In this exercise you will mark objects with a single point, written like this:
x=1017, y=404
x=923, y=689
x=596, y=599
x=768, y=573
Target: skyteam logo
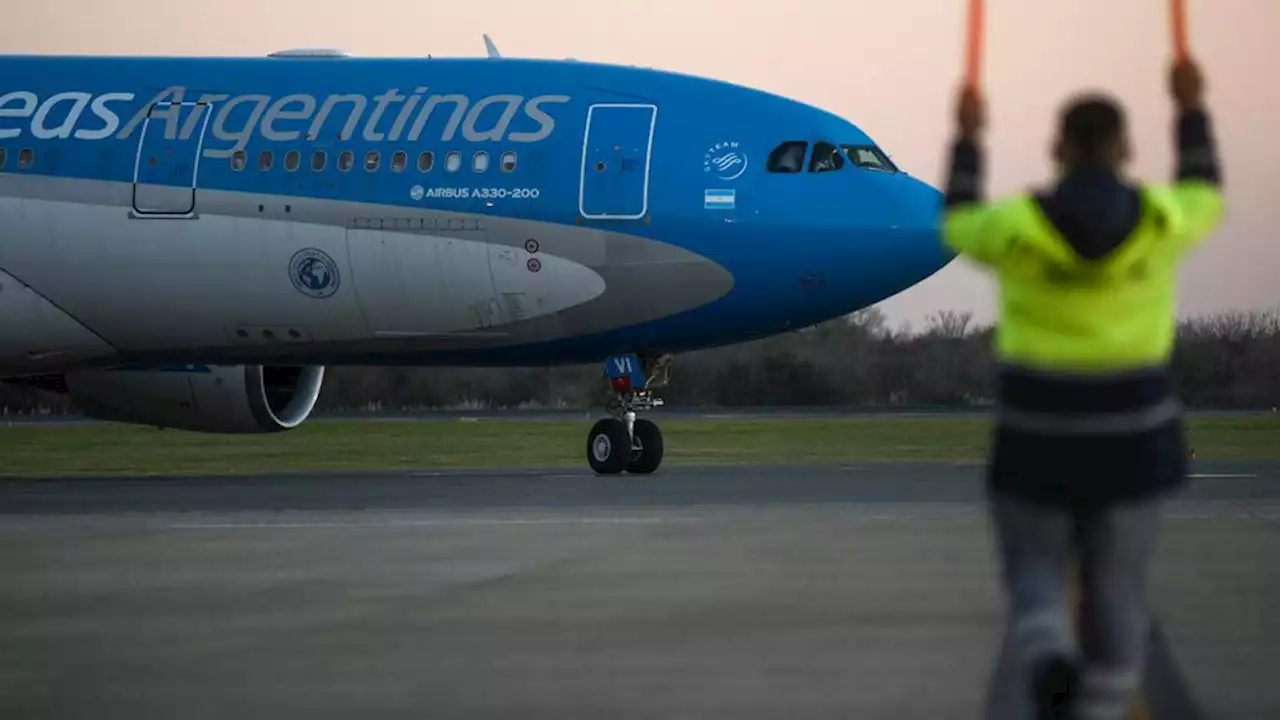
x=314, y=273
x=725, y=161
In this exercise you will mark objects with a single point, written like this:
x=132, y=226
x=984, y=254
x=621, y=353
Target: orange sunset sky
x=887, y=65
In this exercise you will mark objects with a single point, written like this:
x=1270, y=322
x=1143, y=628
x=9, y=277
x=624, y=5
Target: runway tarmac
x=866, y=590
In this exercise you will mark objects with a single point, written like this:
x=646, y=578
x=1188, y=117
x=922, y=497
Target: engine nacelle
x=213, y=399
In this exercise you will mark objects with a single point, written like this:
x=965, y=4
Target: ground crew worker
x=1089, y=437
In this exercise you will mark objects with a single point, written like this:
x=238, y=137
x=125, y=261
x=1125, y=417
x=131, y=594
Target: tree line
x=1227, y=360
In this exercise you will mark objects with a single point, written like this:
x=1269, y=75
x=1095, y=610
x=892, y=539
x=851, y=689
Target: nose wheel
x=624, y=442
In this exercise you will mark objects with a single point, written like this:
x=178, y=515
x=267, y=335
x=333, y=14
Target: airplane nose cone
x=919, y=204
x=919, y=207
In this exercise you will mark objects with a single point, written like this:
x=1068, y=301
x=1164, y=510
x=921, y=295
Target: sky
x=889, y=66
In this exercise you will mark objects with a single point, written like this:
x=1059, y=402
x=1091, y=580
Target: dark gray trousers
x=1113, y=547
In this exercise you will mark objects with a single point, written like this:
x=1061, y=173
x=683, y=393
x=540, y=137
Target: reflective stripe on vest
x=1119, y=423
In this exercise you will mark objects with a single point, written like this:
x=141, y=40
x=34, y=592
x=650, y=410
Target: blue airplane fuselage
x=632, y=186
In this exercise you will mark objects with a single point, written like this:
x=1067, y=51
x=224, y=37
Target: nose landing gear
x=624, y=442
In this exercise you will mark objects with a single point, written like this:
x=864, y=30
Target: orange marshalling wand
x=973, y=64
x=1178, y=22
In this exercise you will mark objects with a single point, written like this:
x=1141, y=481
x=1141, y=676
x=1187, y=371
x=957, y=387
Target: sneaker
x=1053, y=687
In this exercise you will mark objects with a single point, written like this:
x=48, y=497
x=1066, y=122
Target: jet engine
x=242, y=399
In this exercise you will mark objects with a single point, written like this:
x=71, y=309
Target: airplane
x=188, y=242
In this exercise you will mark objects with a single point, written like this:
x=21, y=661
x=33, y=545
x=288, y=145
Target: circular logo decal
x=725, y=160
x=416, y=192
x=313, y=273
x=534, y=264
x=531, y=246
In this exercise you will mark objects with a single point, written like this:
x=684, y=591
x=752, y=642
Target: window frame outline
x=888, y=166
x=769, y=162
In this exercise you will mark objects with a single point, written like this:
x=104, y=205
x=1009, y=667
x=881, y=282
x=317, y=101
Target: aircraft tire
x=649, y=456
x=608, y=447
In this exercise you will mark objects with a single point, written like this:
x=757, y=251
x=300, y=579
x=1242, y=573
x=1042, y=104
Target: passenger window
x=292, y=160
x=265, y=160
x=319, y=159
x=869, y=157
x=826, y=157
x=4, y=156
x=426, y=161
x=453, y=161
x=238, y=160
x=372, y=160
x=480, y=162
x=787, y=157
x=399, y=161
x=508, y=162
x=346, y=161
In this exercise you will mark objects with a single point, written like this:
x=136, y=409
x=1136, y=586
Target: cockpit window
x=826, y=157
x=869, y=157
x=787, y=157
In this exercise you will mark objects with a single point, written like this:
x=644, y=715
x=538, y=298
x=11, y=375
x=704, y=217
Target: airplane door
x=166, y=171
x=615, y=161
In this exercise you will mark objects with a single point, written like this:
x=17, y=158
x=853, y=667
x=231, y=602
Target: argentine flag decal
x=718, y=199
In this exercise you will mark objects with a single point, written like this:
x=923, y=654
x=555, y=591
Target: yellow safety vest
x=1060, y=311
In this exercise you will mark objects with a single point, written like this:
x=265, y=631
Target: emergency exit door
x=616, y=153
x=167, y=170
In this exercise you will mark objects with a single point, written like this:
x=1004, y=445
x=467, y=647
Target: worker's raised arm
x=966, y=176
x=1198, y=185
x=967, y=221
